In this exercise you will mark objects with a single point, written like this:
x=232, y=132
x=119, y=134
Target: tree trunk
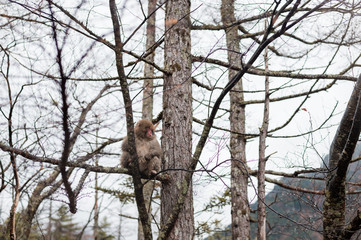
x=138, y=185
x=239, y=176
x=50, y=222
x=340, y=156
x=177, y=118
x=96, y=207
x=147, y=108
x=261, y=208
x=12, y=217
x=37, y=197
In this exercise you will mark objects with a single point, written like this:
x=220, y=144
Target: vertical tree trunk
x=36, y=198
x=340, y=156
x=15, y=178
x=147, y=108
x=239, y=176
x=138, y=185
x=96, y=209
x=177, y=117
x=12, y=217
x=261, y=208
x=50, y=220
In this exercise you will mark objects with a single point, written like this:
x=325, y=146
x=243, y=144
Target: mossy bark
x=340, y=156
x=177, y=123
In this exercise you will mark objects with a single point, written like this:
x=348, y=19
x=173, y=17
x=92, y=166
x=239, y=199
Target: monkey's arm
x=154, y=150
x=125, y=158
x=125, y=145
x=154, y=166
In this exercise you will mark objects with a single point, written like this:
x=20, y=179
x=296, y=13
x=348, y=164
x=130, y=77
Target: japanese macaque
x=148, y=149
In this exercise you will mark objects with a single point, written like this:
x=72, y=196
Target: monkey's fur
x=148, y=149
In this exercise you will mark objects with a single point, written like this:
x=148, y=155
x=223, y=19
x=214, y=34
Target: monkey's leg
x=154, y=166
x=143, y=165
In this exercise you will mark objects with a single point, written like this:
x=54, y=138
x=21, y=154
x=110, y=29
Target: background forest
x=258, y=104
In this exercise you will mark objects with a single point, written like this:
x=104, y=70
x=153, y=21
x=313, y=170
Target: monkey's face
x=145, y=129
x=150, y=133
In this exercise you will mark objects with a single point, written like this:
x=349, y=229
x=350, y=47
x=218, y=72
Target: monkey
x=148, y=149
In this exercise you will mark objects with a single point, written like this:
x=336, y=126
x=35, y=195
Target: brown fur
x=148, y=149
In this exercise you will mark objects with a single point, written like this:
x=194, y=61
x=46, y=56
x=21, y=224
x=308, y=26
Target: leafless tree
x=342, y=149
x=90, y=59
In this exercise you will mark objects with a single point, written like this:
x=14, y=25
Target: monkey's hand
x=149, y=156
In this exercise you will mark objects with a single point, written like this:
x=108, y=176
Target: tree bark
x=147, y=108
x=96, y=196
x=177, y=120
x=239, y=177
x=15, y=178
x=341, y=151
x=37, y=197
x=261, y=208
x=138, y=185
x=12, y=216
